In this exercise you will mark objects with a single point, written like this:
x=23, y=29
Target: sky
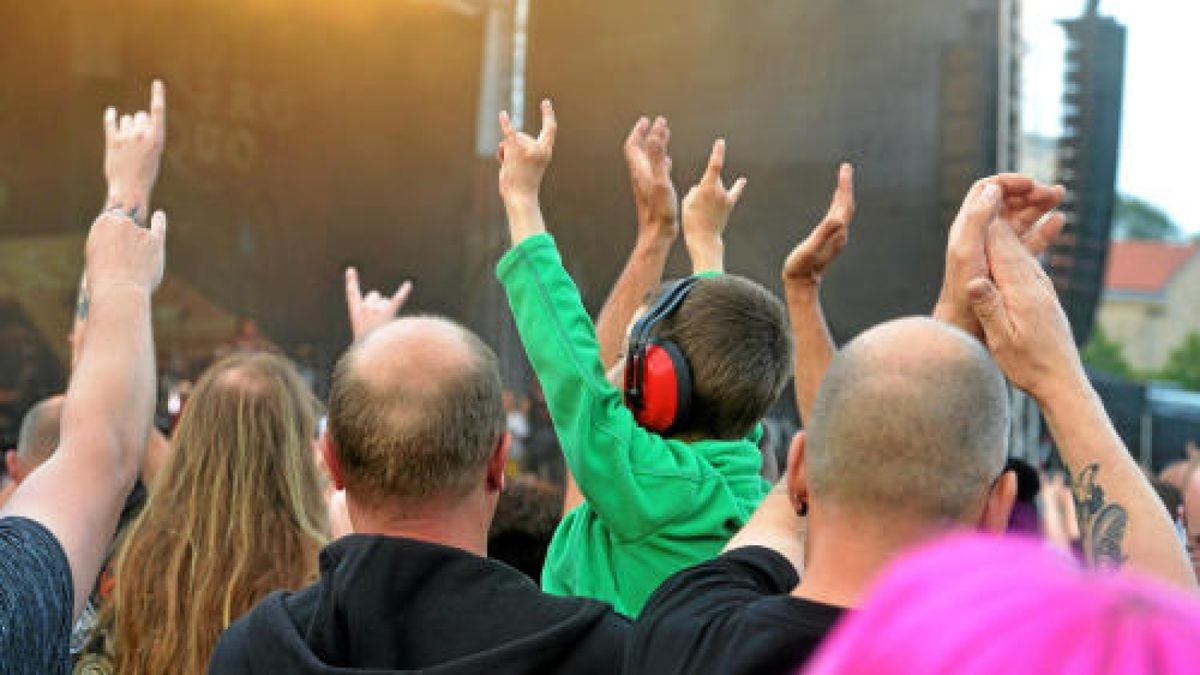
x=1160, y=135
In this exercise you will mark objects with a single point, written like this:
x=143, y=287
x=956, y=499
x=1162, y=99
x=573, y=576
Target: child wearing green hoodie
x=652, y=504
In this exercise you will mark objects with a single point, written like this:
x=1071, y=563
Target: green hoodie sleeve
x=615, y=462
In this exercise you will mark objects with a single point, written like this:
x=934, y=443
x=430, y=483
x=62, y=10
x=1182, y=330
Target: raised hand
x=1023, y=323
x=523, y=158
x=650, y=174
x=1027, y=207
x=121, y=254
x=706, y=210
x=523, y=162
x=374, y=309
x=806, y=264
x=802, y=274
x=133, y=146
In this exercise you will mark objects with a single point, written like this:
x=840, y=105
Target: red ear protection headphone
x=658, y=381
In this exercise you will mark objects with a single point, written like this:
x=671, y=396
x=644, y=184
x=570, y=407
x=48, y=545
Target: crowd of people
x=382, y=531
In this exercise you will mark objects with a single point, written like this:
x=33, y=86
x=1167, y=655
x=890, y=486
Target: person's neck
x=843, y=558
x=7, y=488
x=464, y=526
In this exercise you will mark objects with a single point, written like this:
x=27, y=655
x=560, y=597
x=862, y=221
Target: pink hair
x=976, y=605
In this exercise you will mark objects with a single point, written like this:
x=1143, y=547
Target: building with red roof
x=1151, y=298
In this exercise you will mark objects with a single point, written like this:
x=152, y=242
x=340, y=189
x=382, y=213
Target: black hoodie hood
x=392, y=605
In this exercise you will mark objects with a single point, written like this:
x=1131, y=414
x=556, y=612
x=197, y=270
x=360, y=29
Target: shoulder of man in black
x=392, y=605
x=732, y=614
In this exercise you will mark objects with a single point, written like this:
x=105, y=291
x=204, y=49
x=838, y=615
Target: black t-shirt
x=729, y=615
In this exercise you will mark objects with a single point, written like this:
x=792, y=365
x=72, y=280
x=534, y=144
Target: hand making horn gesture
x=523, y=162
x=706, y=210
x=133, y=147
x=374, y=309
x=523, y=158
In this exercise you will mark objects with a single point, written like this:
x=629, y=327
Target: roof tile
x=1145, y=266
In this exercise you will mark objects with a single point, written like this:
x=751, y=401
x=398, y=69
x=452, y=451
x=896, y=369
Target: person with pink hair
x=977, y=605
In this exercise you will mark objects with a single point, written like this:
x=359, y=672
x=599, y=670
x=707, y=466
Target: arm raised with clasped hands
x=1025, y=328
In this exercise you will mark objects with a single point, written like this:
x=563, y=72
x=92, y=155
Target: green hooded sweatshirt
x=653, y=505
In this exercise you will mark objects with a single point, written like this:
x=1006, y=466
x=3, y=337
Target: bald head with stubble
x=911, y=421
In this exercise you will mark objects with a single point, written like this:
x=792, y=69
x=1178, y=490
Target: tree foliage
x=1136, y=218
x=1183, y=365
x=1105, y=355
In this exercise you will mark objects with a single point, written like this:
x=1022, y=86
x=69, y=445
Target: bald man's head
x=39, y=432
x=911, y=421
x=415, y=412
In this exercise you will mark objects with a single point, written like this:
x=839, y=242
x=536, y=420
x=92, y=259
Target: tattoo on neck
x=1102, y=523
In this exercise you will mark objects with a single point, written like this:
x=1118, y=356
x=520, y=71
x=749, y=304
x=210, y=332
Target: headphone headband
x=667, y=303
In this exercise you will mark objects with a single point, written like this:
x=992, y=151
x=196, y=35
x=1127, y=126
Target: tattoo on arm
x=1102, y=524
x=133, y=212
x=82, y=304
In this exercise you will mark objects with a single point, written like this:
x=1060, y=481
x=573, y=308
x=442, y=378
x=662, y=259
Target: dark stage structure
x=307, y=135
x=1087, y=162
x=911, y=97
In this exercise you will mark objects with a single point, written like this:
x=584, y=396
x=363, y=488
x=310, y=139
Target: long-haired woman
x=235, y=513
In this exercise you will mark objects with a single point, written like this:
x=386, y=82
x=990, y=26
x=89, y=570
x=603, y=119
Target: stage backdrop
x=306, y=134
x=906, y=91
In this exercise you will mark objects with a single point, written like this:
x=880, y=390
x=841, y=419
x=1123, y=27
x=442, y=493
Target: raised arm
x=133, y=148
x=706, y=210
x=802, y=274
x=78, y=493
x=1120, y=517
x=658, y=226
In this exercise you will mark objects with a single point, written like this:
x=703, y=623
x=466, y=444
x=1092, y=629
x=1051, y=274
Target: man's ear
x=796, y=474
x=497, y=463
x=13, y=464
x=997, y=509
x=332, y=464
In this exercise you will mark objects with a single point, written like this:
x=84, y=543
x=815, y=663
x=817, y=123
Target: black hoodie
x=392, y=605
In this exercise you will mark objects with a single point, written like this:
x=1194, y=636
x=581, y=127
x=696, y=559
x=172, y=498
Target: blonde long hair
x=236, y=513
